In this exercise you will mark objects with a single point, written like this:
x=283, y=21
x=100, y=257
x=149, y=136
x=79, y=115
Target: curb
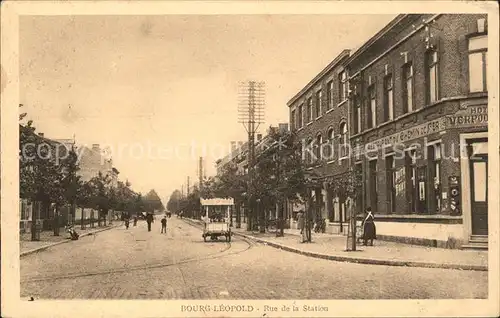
x=362, y=260
x=42, y=248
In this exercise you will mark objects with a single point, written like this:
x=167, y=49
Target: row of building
x=408, y=110
x=92, y=161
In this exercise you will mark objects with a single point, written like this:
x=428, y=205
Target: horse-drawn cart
x=216, y=217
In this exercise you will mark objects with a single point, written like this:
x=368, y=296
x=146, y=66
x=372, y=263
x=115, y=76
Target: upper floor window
x=478, y=54
x=432, y=76
x=319, y=143
x=372, y=109
x=388, y=98
x=329, y=95
x=343, y=140
x=342, y=86
x=301, y=116
x=292, y=120
x=357, y=114
x=319, y=102
x=329, y=147
x=408, y=88
x=309, y=110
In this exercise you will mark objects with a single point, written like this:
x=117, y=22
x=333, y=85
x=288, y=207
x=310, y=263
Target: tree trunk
x=82, y=221
x=238, y=215
x=55, y=224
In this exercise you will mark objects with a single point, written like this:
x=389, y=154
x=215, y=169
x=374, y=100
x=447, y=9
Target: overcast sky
x=166, y=82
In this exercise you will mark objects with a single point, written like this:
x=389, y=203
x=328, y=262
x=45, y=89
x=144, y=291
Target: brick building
x=319, y=115
x=419, y=111
x=417, y=126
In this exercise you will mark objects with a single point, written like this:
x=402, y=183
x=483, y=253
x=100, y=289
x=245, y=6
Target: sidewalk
x=47, y=238
x=333, y=247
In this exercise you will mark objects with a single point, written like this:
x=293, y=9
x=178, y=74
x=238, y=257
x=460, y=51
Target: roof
x=345, y=53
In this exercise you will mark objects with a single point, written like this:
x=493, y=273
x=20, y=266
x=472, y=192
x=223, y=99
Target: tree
x=174, y=201
x=153, y=202
x=101, y=198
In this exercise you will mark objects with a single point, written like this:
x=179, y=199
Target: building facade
x=419, y=113
x=417, y=128
x=319, y=116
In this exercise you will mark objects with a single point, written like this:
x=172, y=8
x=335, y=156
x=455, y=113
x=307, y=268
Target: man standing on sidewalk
x=164, y=224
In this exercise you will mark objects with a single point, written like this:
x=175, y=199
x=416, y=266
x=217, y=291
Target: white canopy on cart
x=217, y=201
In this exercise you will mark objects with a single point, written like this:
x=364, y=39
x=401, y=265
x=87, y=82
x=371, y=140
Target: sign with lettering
x=418, y=131
x=476, y=115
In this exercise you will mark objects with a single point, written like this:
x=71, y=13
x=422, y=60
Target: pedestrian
x=149, y=220
x=164, y=224
x=369, y=229
x=300, y=221
x=135, y=220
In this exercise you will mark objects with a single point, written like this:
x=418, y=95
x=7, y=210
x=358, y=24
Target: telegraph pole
x=251, y=101
x=200, y=175
x=187, y=186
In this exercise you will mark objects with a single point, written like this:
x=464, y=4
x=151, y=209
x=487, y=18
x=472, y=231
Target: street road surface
x=136, y=264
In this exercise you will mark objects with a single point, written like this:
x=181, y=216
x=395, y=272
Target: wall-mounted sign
x=475, y=115
x=418, y=131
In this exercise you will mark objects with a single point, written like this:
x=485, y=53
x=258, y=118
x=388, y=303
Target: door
x=421, y=207
x=479, y=193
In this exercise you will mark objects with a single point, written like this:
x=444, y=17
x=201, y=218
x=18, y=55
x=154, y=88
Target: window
x=301, y=116
x=319, y=143
x=434, y=166
x=390, y=181
x=292, y=120
x=478, y=53
x=372, y=110
x=432, y=76
x=342, y=86
x=372, y=182
x=411, y=180
x=388, y=98
x=329, y=147
x=408, y=88
x=329, y=95
x=343, y=140
x=319, y=101
x=309, y=110
x=357, y=114
x=309, y=156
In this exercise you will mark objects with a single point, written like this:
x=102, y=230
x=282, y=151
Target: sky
x=161, y=91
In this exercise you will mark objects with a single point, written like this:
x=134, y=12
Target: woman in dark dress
x=369, y=229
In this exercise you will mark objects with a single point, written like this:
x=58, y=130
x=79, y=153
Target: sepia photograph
x=246, y=161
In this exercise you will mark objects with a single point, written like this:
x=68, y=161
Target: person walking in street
x=369, y=229
x=149, y=220
x=164, y=224
x=135, y=220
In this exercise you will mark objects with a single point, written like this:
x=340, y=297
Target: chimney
x=96, y=147
x=259, y=137
x=40, y=134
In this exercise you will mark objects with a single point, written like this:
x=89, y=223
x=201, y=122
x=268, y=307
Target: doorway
x=478, y=172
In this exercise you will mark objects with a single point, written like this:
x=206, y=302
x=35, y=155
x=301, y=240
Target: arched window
x=343, y=140
x=330, y=145
x=319, y=143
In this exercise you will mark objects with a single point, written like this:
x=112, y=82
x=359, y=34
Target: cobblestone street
x=136, y=264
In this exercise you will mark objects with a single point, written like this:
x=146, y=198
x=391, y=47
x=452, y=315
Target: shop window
x=408, y=88
x=478, y=54
x=432, y=76
x=411, y=180
x=390, y=169
x=434, y=167
x=373, y=184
